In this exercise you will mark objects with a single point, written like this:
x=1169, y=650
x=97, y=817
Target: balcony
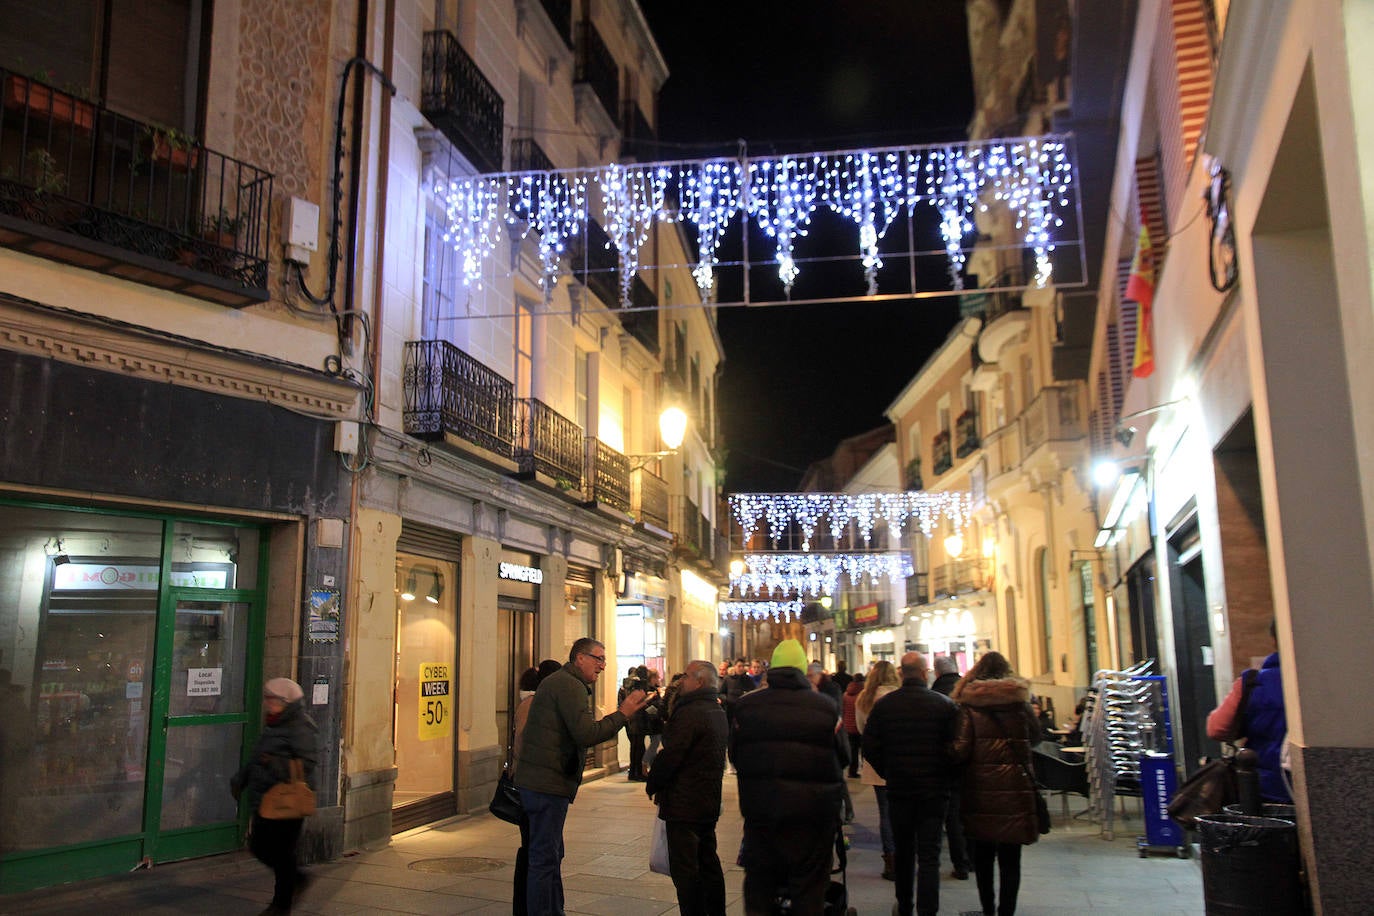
x=642, y=324
x=697, y=536
x=548, y=444
x=917, y=589
x=941, y=458
x=959, y=577
x=607, y=476
x=649, y=498
x=596, y=67
x=453, y=397
x=912, y=479
x=528, y=156
x=1048, y=434
x=966, y=431
x=596, y=264
x=461, y=102
x=84, y=185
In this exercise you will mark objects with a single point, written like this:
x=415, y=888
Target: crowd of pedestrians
x=947, y=757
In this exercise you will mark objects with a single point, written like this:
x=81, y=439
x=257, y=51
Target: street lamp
x=672, y=429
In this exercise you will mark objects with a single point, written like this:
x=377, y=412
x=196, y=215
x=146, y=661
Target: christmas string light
x=923, y=507
x=762, y=610
x=1033, y=177
x=815, y=574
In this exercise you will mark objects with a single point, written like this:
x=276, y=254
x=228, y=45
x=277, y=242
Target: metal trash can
x=1270, y=809
x=1250, y=865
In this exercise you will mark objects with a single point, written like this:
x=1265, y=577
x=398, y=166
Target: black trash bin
x=1270, y=809
x=1250, y=866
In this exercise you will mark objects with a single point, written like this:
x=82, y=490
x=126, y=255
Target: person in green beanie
x=791, y=786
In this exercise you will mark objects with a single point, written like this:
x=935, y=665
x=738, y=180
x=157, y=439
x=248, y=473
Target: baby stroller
x=837, y=893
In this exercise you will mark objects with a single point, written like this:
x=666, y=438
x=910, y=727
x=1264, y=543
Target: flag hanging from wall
x=1141, y=287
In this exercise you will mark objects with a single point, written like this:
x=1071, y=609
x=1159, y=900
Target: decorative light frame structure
x=1032, y=176
x=923, y=508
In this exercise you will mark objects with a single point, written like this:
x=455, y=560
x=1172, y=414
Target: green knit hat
x=789, y=654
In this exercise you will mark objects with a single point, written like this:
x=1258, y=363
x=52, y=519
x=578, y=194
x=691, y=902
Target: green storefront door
x=131, y=657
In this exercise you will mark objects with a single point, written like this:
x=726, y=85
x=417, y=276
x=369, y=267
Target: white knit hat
x=283, y=688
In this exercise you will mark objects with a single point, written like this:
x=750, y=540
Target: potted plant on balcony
x=913, y=475
x=172, y=148
x=33, y=95
x=222, y=229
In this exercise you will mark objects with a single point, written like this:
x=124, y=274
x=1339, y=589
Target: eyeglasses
x=599, y=659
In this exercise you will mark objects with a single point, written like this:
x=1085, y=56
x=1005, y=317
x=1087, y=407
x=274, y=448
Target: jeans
x=884, y=820
x=695, y=868
x=544, y=885
x=1008, y=859
x=918, y=821
x=273, y=842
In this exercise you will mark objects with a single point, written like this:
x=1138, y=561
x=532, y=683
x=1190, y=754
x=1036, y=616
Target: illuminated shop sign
x=518, y=573
x=125, y=576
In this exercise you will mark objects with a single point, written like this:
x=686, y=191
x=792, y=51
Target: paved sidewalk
x=465, y=865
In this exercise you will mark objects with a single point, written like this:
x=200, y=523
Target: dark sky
x=810, y=76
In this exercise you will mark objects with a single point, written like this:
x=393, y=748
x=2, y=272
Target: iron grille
x=650, y=497
x=447, y=391
x=548, y=442
x=596, y=67
x=608, y=474
x=459, y=100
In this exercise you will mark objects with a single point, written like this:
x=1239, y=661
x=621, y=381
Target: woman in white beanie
x=288, y=733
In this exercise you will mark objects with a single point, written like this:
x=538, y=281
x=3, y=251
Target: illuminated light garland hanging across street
x=1032, y=176
x=762, y=610
x=817, y=574
x=924, y=508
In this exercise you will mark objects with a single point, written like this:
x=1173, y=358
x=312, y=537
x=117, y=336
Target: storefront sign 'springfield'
x=515, y=571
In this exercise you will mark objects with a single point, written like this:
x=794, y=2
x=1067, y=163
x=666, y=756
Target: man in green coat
x=548, y=771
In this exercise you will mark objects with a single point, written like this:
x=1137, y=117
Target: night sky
x=807, y=76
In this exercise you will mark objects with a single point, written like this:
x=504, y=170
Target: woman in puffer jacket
x=993, y=738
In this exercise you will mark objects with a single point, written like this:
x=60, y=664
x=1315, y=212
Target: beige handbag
x=290, y=799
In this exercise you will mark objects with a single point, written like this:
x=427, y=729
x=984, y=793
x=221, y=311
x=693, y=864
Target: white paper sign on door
x=204, y=682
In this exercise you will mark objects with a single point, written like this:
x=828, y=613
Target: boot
x=888, y=874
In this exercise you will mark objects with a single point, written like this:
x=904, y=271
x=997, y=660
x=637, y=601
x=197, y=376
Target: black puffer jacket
x=907, y=739
x=687, y=772
x=783, y=748
x=995, y=733
x=292, y=735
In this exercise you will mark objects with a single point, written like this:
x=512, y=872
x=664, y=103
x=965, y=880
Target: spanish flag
x=1141, y=287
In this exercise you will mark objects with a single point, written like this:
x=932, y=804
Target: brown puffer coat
x=992, y=739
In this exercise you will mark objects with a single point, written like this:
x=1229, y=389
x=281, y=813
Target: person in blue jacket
x=1254, y=711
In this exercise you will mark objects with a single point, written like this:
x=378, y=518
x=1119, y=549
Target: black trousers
x=695, y=868
x=791, y=858
x=273, y=843
x=1007, y=856
x=518, y=907
x=855, y=743
x=959, y=855
x=918, y=821
x=636, y=754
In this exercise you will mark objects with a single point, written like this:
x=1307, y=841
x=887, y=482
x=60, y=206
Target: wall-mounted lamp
x=409, y=593
x=736, y=568
x=59, y=555
x=672, y=429
x=954, y=545
x=436, y=591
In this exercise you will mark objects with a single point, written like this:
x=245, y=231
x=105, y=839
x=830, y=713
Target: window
x=1044, y=660
x=524, y=348
x=526, y=117
x=141, y=57
x=437, y=309
x=585, y=392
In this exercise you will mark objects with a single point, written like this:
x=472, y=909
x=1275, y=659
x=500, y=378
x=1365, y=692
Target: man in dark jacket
x=791, y=786
x=946, y=676
x=558, y=731
x=685, y=781
x=905, y=740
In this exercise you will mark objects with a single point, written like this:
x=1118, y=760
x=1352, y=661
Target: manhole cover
x=457, y=865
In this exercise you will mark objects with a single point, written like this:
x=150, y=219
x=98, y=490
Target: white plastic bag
x=658, y=851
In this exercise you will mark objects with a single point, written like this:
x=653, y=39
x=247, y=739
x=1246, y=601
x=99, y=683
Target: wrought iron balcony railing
x=82, y=184
x=548, y=443
x=560, y=14
x=597, y=68
x=918, y=589
x=992, y=305
x=526, y=155
x=607, y=475
x=649, y=497
x=449, y=392
x=959, y=577
x=694, y=531
x=966, y=427
x=638, y=139
x=459, y=100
